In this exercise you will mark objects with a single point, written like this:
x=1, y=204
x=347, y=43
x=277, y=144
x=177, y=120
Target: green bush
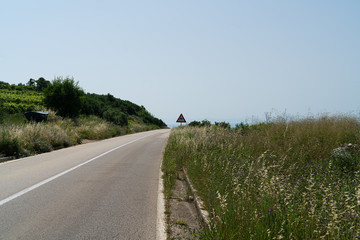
x=64, y=96
x=223, y=125
x=203, y=123
x=116, y=117
x=9, y=146
x=195, y=124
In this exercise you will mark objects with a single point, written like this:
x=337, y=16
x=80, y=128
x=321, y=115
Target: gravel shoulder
x=184, y=221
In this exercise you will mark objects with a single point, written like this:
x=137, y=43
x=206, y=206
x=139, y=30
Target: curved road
x=101, y=190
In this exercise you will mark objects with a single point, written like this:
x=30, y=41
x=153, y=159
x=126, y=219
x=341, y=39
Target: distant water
x=173, y=125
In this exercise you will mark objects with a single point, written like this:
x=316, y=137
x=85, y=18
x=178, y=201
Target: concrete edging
x=204, y=214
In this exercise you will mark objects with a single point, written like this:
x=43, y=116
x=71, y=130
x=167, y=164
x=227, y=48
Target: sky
x=218, y=60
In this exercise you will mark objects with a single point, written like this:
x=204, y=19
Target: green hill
x=21, y=98
x=101, y=117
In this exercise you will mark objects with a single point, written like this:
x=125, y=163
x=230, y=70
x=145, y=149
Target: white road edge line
x=26, y=190
x=161, y=226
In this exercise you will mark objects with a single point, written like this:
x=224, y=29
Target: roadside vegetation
x=74, y=116
x=283, y=179
x=19, y=99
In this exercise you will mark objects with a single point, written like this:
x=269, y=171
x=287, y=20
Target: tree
x=38, y=85
x=31, y=83
x=41, y=84
x=64, y=96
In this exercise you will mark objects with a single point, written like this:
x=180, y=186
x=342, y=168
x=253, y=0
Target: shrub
x=205, y=123
x=195, y=124
x=243, y=128
x=116, y=117
x=9, y=146
x=64, y=96
x=223, y=125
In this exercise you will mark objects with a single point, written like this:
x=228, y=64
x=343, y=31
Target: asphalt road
x=100, y=190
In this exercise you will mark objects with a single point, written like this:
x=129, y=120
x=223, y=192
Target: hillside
x=101, y=117
x=21, y=98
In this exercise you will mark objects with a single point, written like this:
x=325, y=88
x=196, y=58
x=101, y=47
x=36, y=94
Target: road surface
x=100, y=190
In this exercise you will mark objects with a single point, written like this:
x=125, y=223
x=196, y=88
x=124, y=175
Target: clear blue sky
x=219, y=60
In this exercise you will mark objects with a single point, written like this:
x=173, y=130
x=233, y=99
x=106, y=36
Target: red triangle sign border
x=181, y=119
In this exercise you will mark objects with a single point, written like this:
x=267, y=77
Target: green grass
x=278, y=180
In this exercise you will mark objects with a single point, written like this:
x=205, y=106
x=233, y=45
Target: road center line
x=26, y=190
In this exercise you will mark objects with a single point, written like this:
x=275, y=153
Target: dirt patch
x=184, y=220
x=85, y=141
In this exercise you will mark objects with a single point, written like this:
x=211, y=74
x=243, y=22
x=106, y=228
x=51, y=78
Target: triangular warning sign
x=181, y=119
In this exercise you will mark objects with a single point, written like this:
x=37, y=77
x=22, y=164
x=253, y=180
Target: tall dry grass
x=296, y=179
x=24, y=139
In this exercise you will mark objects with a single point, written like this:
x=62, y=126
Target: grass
x=20, y=138
x=286, y=179
x=182, y=223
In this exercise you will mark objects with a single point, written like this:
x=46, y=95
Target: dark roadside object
x=36, y=116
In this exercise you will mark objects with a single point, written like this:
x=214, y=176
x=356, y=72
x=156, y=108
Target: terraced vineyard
x=15, y=101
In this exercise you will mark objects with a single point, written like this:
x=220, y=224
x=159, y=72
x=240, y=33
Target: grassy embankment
x=278, y=180
x=19, y=138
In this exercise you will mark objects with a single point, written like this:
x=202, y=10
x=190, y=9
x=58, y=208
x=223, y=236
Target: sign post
x=181, y=119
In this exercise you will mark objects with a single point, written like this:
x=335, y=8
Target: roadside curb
x=204, y=214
